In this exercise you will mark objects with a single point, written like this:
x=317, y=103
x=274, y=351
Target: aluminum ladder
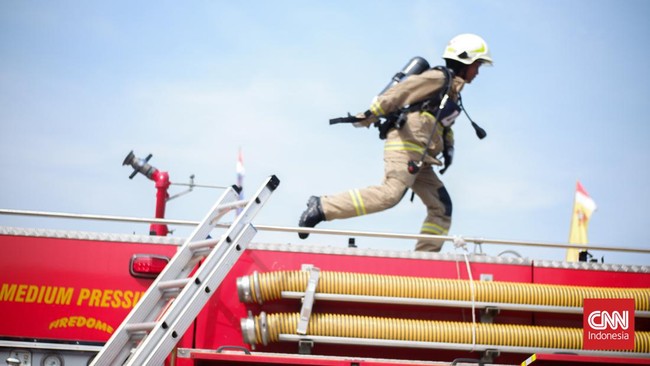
x=153, y=327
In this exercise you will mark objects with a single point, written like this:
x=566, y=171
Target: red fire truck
x=217, y=298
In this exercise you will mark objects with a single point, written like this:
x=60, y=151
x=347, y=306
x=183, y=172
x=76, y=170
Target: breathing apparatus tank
x=417, y=65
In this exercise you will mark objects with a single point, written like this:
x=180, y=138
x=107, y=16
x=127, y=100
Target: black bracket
x=488, y=314
x=305, y=346
x=489, y=355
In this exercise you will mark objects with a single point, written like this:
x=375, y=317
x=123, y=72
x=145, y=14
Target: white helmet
x=467, y=48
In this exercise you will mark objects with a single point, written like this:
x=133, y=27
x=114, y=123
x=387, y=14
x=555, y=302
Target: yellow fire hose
x=262, y=287
x=354, y=326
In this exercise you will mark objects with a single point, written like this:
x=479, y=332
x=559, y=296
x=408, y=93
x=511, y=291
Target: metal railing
x=372, y=234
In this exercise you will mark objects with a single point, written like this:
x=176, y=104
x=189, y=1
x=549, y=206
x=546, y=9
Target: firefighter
x=421, y=139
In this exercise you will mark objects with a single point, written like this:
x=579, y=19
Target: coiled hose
x=263, y=287
x=268, y=327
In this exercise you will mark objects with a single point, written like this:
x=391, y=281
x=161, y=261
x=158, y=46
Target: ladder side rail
x=212, y=218
x=182, y=306
x=117, y=348
x=185, y=254
x=162, y=342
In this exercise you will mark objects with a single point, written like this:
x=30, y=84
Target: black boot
x=312, y=215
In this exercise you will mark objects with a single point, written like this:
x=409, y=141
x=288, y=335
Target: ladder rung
x=140, y=327
x=202, y=244
x=230, y=206
x=173, y=284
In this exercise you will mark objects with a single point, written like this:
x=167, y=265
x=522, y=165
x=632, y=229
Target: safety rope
x=459, y=243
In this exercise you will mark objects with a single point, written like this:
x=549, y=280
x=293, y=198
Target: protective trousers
x=397, y=179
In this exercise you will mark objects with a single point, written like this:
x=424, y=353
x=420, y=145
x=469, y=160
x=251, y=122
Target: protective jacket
x=414, y=135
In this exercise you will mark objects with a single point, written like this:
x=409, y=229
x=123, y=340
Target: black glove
x=448, y=155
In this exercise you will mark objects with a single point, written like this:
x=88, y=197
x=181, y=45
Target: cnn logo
x=599, y=320
x=608, y=324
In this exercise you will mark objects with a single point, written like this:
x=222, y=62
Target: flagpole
x=240, y=177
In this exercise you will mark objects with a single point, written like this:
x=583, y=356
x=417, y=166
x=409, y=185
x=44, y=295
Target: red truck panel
x=77, y=288
x=69, y=289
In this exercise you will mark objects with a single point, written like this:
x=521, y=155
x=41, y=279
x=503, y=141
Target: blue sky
x=84, y=83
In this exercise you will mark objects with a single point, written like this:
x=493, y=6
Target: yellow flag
x=583, y=207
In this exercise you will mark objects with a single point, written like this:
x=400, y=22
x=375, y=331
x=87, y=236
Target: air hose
x=264, y=287
x=266, y=328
